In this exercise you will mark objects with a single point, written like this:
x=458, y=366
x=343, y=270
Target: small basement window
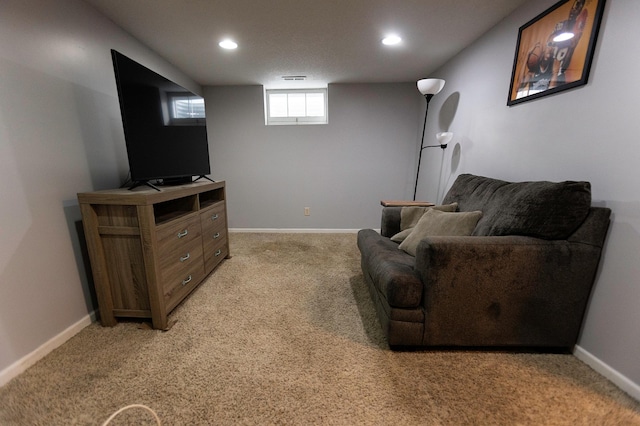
x=299, y=106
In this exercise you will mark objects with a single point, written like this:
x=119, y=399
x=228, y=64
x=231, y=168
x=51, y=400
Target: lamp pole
x=422, y=147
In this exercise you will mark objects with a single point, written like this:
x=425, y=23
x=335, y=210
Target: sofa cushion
x=437, y=223
x=549, y=210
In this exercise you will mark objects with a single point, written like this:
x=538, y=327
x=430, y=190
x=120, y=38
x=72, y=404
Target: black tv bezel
x=136, y=145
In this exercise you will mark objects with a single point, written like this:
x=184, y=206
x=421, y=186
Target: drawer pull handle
x=183, y=233
x=187, y=280
x=216, y=235
x=214, y=217
x=219, y=252
x=185, y=257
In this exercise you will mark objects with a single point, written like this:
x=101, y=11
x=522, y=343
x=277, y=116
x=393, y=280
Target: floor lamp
x=428, y=87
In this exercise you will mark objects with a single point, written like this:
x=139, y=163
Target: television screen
x=164, y=125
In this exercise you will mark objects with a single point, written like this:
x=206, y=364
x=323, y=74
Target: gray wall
x=590, y=133
x=340, y=170
x=60, y=133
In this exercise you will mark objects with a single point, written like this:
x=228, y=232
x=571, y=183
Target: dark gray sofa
x=522, y=279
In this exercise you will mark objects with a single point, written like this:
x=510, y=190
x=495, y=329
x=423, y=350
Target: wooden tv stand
x=149, y=249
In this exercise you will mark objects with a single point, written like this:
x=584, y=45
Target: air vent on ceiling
x=294, y=77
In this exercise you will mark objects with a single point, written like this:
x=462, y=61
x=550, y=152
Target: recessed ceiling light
x=391, y=40
x=228, y=44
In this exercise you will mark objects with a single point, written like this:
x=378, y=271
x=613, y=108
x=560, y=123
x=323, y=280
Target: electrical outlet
x=307, y=211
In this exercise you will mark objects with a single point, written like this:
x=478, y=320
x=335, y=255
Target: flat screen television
x=164, y=126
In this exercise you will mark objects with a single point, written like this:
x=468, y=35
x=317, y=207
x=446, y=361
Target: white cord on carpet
x=132, y=406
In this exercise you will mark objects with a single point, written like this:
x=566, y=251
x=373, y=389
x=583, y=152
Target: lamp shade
x=430, y=86
x=444, y=138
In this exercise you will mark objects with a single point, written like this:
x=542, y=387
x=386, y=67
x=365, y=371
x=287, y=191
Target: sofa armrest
x=507, y=290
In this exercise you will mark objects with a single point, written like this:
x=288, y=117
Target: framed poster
x=555, y=49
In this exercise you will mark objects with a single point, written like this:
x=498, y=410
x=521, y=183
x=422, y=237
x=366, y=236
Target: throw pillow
x=437, y=223
x=409, y=217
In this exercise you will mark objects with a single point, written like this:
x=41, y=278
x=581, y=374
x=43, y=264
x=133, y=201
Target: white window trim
x=278, y=121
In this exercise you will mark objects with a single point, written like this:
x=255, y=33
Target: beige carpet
x=284, y=332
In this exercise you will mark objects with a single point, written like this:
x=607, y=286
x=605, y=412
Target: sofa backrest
x=549, y=210
x=390, y=224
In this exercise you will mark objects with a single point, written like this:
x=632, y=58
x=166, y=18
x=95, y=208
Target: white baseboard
x=28, y=360
x=295, y=230
x=614, y=376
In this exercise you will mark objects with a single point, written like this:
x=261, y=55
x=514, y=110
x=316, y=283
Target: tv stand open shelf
x=149, y=249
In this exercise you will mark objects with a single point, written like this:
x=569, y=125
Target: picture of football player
x=567, y=35
x=547, y=62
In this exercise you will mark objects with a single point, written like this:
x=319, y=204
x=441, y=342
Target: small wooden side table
x=405, y=203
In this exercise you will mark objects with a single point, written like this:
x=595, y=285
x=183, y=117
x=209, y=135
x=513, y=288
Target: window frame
x=295, y=120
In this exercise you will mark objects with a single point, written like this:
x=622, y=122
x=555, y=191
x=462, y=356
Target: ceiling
x=329, y=41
